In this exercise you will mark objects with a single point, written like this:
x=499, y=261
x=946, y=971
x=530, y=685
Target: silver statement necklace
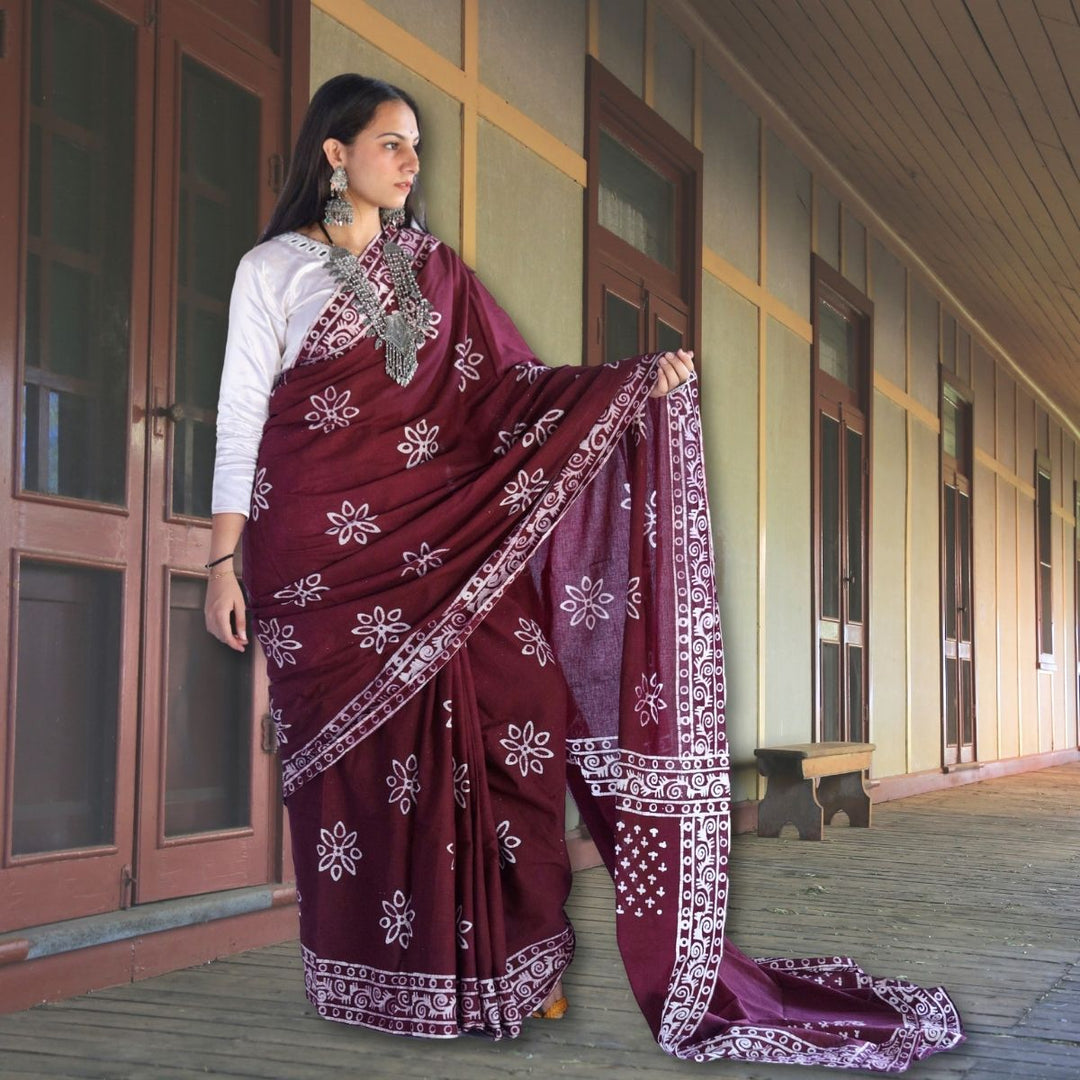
x=399, y=333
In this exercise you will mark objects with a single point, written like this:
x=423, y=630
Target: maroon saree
x=469, y=591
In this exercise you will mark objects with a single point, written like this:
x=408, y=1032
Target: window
x=1044, y=611
x=957, y=616
x=840, y=434
x=643, y=228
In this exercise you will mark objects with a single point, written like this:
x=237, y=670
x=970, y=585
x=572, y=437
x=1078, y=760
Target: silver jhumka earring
x=396, y=218
x=338, y=210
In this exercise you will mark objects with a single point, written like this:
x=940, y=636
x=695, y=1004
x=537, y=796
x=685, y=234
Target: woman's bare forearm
x=225, y=535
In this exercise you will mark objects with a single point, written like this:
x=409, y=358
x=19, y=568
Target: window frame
x=620, y=112
x=959, y=472
x=1044, y=601
x=853, y=407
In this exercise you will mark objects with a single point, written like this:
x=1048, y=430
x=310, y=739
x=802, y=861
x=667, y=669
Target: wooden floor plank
x=972, y=888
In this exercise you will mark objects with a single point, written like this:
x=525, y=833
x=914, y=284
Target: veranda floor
x=977, y=888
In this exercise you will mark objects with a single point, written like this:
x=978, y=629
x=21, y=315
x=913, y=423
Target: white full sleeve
x=253, y=358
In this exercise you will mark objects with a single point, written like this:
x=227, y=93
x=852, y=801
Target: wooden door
x=957, y=616
x=143, y=138
x=841, y=585
x=77, y=83
x=206, y=783
x=840, y=480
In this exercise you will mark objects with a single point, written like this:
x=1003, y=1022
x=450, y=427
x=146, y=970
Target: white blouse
x=281, y=286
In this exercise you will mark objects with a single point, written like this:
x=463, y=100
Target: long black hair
x=339, y=109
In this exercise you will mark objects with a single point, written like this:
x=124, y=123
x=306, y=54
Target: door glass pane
x=855, y=693
x=621, y=338
x=636, y=202
x=830, y=517
x=67, y=698
x=78, y=252
x=830, y=692
x=951, y=703
x=949, y=601
x=208, y=762
x=963, y=556
x=1044, y=582
x=949, y=419
x=219, y=178
x=967, y=707
x=854, y=472
x=836, y=345
x=668, y=339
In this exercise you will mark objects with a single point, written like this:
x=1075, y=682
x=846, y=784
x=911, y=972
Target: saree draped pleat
x=470, y=590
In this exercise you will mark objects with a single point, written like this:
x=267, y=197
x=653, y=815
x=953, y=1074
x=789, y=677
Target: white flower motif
x=535, y=642
x=338, y=851
x=649, y=703
x=633, y=597
x=522, y=491
x=527, y=748
x=259, y=490
x=462, y=783
x=380, y=628
x=638, y=427
x=278, y=642
x=543, y=427
x=587, y=603
x=420, y=562
x=398, y=920
x=467, y=363
x=303, y=592
x=508, y=438
x=419, y=445
x=463, y=927
x=330, y=410
x=530, y=370
x=403, y=784
x=507, y=843
x=280, y=727
x=352, y=523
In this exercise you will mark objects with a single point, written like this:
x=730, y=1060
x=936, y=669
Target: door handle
x=174, y=412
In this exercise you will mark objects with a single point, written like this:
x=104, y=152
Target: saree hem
x=438, y=1006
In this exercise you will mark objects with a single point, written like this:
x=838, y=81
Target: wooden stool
x=809, y=782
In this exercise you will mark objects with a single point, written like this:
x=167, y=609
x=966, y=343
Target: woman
x=476, y=578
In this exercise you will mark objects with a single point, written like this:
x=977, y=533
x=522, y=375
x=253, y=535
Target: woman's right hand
x=225, y=609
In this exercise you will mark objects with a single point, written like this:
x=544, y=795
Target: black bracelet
x=221, y=560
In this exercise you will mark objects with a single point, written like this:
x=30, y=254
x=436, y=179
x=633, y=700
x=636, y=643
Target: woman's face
x=382, y=160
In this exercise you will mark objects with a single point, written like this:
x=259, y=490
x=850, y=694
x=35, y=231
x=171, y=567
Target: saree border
x=437, y=1006
x=426, y=651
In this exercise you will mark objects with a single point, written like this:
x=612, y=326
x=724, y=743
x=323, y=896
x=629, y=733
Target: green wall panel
x=729, y=362
x=622, y=41
x=437, y=23
x=787, y=274
x=533, y=55
x=788, y=711
x=529, y=245
x=731, y=188
x=925, y=626
x=888, y=599
x=674, y=66
x=889, y=294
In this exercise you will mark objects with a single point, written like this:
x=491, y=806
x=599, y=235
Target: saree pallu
x=470, y=590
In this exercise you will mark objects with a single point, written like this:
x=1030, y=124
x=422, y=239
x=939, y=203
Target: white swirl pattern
x=437, y=1006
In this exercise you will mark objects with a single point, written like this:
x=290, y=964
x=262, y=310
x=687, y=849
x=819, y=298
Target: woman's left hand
x=674, y=370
